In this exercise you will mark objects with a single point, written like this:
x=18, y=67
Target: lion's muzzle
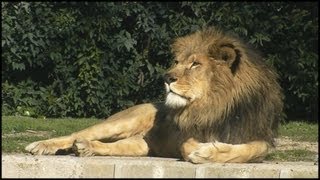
x=169, y=78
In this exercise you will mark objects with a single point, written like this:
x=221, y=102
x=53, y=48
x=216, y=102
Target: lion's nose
x=169, y=78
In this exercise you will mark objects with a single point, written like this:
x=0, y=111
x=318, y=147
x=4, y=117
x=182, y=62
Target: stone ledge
x=27, y=166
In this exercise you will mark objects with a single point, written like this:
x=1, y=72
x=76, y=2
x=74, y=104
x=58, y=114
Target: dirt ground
x=285, y=143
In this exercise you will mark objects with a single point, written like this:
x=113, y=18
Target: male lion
x=223, y=104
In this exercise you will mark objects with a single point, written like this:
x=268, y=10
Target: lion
x=223, y=104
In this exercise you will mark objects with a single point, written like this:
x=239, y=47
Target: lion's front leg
x=137, y=120
x=133, y=146
x=51, y=146
x=216, y=151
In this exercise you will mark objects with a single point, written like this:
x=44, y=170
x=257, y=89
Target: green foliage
x=91, y=59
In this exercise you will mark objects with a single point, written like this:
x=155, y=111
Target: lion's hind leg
x=132, y=146
x=254, y=151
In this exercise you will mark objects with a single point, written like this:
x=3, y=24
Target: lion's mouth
x=174, y=99
x=176, y=94
x=173, y=92
x=169, y=90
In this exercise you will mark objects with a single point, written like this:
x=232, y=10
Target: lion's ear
x=227, y=53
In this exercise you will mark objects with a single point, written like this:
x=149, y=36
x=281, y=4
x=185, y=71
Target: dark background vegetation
x=86, y=59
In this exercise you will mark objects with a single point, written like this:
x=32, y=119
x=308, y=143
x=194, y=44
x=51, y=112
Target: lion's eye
x=175, y=62
x=195, y=64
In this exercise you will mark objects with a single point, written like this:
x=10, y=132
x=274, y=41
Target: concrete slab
x=28, y=166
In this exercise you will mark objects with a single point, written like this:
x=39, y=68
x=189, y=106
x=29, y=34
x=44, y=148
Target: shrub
x=84, y=59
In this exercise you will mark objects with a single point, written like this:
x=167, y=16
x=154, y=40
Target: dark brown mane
x=246, y=106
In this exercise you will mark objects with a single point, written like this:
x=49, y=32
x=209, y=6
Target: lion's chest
x=165, y=138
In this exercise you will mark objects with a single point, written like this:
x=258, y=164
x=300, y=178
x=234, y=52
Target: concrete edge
x=27, y=166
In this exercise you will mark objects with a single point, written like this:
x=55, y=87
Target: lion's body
x=223, y=105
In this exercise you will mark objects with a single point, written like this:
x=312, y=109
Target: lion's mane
x=239, y=108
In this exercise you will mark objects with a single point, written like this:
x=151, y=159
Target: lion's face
x=192, y=78
x=204, y=68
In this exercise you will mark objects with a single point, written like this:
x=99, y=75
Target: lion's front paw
x=210, y=152
x=202, y=154
x=41, y=148
x=82, y=148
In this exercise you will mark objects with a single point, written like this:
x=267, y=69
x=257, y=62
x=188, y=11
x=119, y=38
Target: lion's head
x=218, y=82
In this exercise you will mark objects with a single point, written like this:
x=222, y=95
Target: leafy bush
x=84, y=59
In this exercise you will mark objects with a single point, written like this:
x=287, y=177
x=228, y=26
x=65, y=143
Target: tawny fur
x=240, y=106
x=223, y=105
